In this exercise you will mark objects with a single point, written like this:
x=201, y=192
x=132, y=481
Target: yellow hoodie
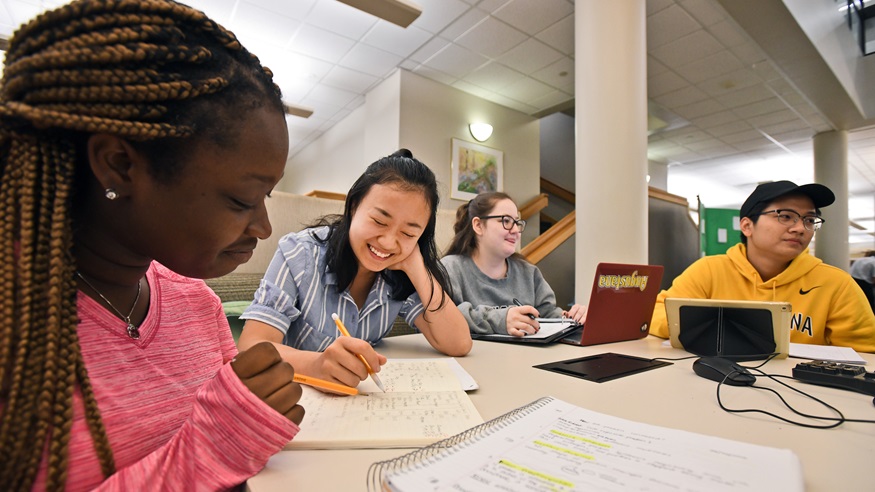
x=828, y=306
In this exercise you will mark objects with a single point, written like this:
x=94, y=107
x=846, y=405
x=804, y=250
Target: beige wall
x=410, y=111
x=432, y=114
x=339, y=156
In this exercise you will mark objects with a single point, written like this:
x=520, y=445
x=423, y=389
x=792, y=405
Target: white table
x=671, y=396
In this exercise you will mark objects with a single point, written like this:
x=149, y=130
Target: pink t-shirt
x=177, y=416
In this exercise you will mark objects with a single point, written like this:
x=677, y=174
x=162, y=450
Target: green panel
x=718, y=230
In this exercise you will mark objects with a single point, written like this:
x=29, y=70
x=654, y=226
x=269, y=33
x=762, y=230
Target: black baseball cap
x=766, y=192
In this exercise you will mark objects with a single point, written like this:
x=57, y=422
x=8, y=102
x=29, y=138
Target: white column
x=610, y=86
x=831, y=169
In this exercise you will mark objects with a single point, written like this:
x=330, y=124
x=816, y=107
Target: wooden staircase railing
x=533, y=206
x=544, y=244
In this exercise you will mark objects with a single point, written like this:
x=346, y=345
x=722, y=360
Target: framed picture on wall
x=475, y=169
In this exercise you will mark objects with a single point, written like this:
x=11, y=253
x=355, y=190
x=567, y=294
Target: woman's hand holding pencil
x=345, y=333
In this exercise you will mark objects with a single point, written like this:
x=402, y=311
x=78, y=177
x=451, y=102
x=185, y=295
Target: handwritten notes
x=423, y=403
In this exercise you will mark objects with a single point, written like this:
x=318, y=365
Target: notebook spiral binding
x=430, y=453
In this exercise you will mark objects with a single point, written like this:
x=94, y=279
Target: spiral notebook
x=550, y=444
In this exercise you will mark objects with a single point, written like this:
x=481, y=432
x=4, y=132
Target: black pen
x=518, y=303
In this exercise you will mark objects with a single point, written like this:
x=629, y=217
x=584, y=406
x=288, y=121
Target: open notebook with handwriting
x=424, y=402
x=550, y=444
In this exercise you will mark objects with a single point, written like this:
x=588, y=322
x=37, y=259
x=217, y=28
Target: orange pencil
x=321, y=383
x=342, y=329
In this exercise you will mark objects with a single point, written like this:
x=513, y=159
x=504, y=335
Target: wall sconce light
x=480, y=131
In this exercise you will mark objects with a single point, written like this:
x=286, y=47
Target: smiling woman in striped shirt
x=376, y=261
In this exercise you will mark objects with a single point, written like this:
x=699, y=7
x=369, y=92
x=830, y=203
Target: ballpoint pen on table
x=321, y=383
x=345, y=333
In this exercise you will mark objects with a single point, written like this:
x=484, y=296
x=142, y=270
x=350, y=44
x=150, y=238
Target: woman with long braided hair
x=138, y=140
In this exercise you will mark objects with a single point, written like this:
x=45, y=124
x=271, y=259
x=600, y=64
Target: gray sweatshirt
x=484, y=301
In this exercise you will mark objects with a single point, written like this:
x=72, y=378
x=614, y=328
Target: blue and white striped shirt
x=297, y=296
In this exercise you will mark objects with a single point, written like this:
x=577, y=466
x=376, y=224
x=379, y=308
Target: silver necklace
x=133, y=331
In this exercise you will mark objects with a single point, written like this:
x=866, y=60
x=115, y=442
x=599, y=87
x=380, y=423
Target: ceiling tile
x=763, y=120
x=456, y=61
x=321, y=44
x=299, y=9
x=325, y=109
x=746, y=95
x=491, y=38
x=749, y=54
x=395, y=39
x=20, y=12
x=268, y=26
x=533, y=17
x=461, y=25
x=324, y=94
x=731, y=128
x=728, y=33
x=759, y=143
x=438, y=14
x=370, y=60
x=788, y=137
x=350, y=80
x=714, y=120
x=7, y=24
x=685, y=135
x=719, y=63
x=493, y=76
x=687, y=49
x=526, y=90
x=762, y=107
x=728, y=83
x=745, y=135
x=435, y=75
x=559, y=74
x=701, y=108
x=529, y=56
x=663, y=83
x=408, y=64
x=706, y=13
x=560, y=35
x=655, y=67
x=356, y=102
x=654, y=6
x=429, y=49
x=489, y=5
x=681, y=97
x=341, y=19
x=668, y=25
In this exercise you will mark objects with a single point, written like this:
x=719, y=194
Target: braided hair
x=154, y=72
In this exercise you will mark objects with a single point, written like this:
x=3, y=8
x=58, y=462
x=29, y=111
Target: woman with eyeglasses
x=496, y=289
x=772, y=263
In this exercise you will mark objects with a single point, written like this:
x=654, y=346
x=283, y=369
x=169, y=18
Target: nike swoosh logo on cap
x=803, y=292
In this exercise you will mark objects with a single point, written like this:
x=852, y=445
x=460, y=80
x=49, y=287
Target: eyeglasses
x=507, y=221
x=791, y=217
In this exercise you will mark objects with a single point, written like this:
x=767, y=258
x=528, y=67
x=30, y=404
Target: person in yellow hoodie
x=772, y=263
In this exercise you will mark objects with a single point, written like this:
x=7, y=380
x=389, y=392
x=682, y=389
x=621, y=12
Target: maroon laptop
x=620, y=305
